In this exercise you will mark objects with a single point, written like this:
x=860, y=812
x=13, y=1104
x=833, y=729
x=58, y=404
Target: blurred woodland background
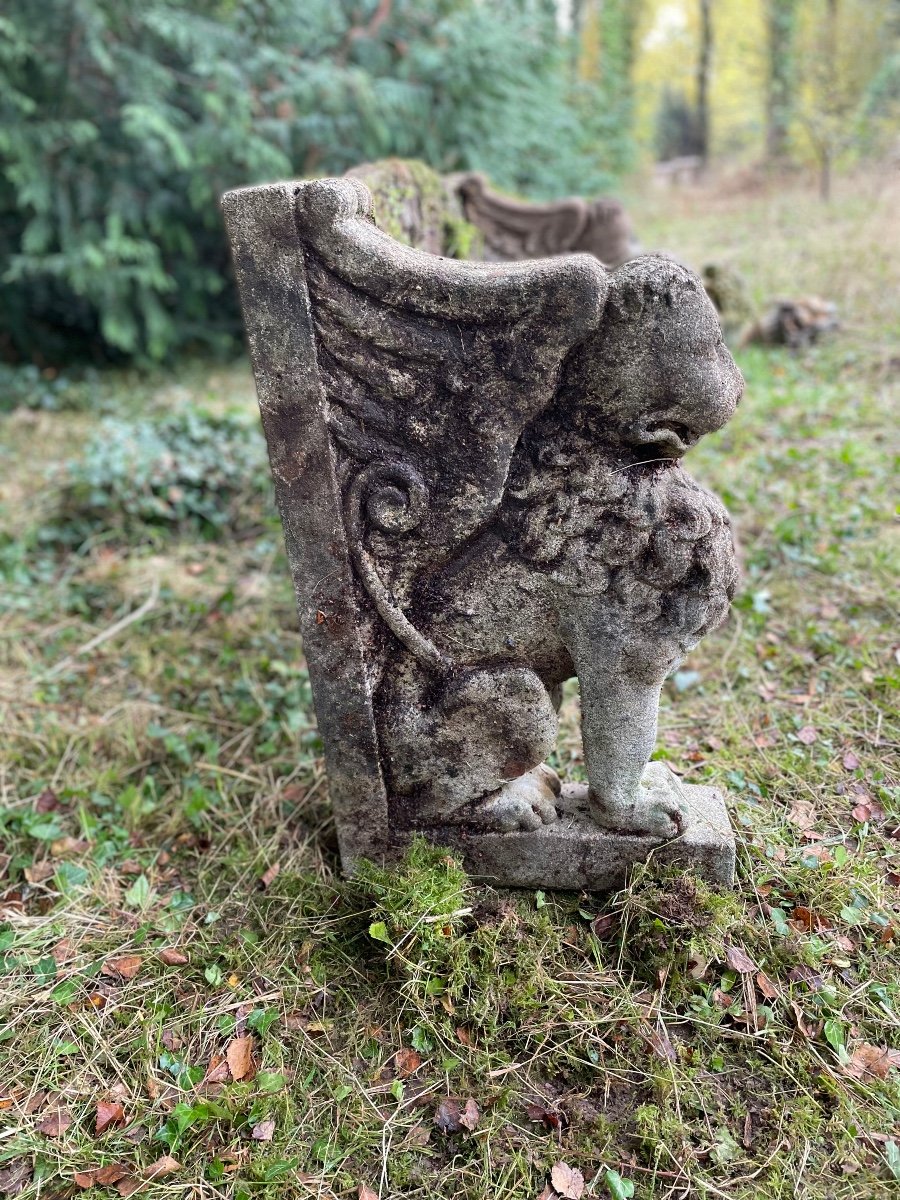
x=122, y=124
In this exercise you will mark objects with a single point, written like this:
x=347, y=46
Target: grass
x=163, y=798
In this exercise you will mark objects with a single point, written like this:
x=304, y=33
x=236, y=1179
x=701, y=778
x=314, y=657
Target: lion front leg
x=620, y=709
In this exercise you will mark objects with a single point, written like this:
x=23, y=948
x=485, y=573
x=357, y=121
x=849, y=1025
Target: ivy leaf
x=619, y=1188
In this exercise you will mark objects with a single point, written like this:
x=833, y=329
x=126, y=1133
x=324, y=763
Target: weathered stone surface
x=477, y=467
x=573, y=852
x=419, y=207
x=460, y=216
x=514, y=229
x=729, y=292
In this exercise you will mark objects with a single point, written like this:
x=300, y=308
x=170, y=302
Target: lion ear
x=627, y=297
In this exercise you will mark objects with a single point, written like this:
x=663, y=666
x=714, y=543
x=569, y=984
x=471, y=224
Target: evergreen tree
x=121, y=124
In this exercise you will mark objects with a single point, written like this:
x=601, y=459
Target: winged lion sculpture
x=478, y=471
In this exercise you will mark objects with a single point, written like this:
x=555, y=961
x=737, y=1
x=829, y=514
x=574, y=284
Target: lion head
x=656, y=376
x=596, y=498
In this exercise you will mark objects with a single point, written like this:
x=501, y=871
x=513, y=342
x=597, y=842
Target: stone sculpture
x=477, y=468
x=515, y=230
x=793, y=323
x=419, y=207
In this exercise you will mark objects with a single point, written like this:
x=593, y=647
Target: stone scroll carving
x=477, y=468
x=514, y=229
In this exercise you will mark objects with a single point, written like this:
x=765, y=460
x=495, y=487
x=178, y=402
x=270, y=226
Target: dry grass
x=151, y=787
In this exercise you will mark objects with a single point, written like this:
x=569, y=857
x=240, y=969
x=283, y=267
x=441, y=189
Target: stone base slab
x=575, y=854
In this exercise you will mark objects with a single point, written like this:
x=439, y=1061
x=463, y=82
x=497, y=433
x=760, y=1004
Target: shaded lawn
x=163, y=798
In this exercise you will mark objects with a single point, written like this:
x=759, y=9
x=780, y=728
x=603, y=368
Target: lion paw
x=650, y=814
x=525, y=803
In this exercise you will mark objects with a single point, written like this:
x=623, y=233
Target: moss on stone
x=418, y=207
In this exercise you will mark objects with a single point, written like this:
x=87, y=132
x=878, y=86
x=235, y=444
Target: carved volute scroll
x=477, y=467
x=515, y=229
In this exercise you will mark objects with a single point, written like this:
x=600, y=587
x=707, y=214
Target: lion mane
x=644, y=535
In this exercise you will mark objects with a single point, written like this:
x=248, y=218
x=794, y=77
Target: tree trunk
x=704, y=66
x=828, y=147
x=825, y=174
x=781, y=19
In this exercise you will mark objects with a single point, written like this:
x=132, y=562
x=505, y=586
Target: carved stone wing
x=431, y=369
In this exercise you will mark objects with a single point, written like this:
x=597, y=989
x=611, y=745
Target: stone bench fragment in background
x=462, y=217
x=514, y=229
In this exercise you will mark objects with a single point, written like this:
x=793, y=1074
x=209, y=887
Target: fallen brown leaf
x=568, y=1181
x=419, y=1135
x=698, y=966
x=270, y=875
x=538, y=1112
x=125, y=966
x=872, y=1060
x=108, y=1114
x=766, y=986
x=166, y=1165
x=803, y=1024
x=34, y=1102
x=809, y=921
x=804, y=974
x=66, y=847
x=548, y=1194
x=850, y=761
x=366, y=1193
x=450, y=1117
x=739, y=960
x=605, y=926
x=218, y=1070
x=39, y=872
x=406, y=1061
x=263, y=1131
x=171, y=1040
x=470, y=1115
x=15, y=1176
x=239, y=1054
x=867, y=811
x=102, y=1175
x=112, y=1174
x=765, y=741
x=47, y=801
x=62, y=951
x=807, y=735
x=172, y=957
x=661, y=1045
x=803, y=814
x=56, y=1123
